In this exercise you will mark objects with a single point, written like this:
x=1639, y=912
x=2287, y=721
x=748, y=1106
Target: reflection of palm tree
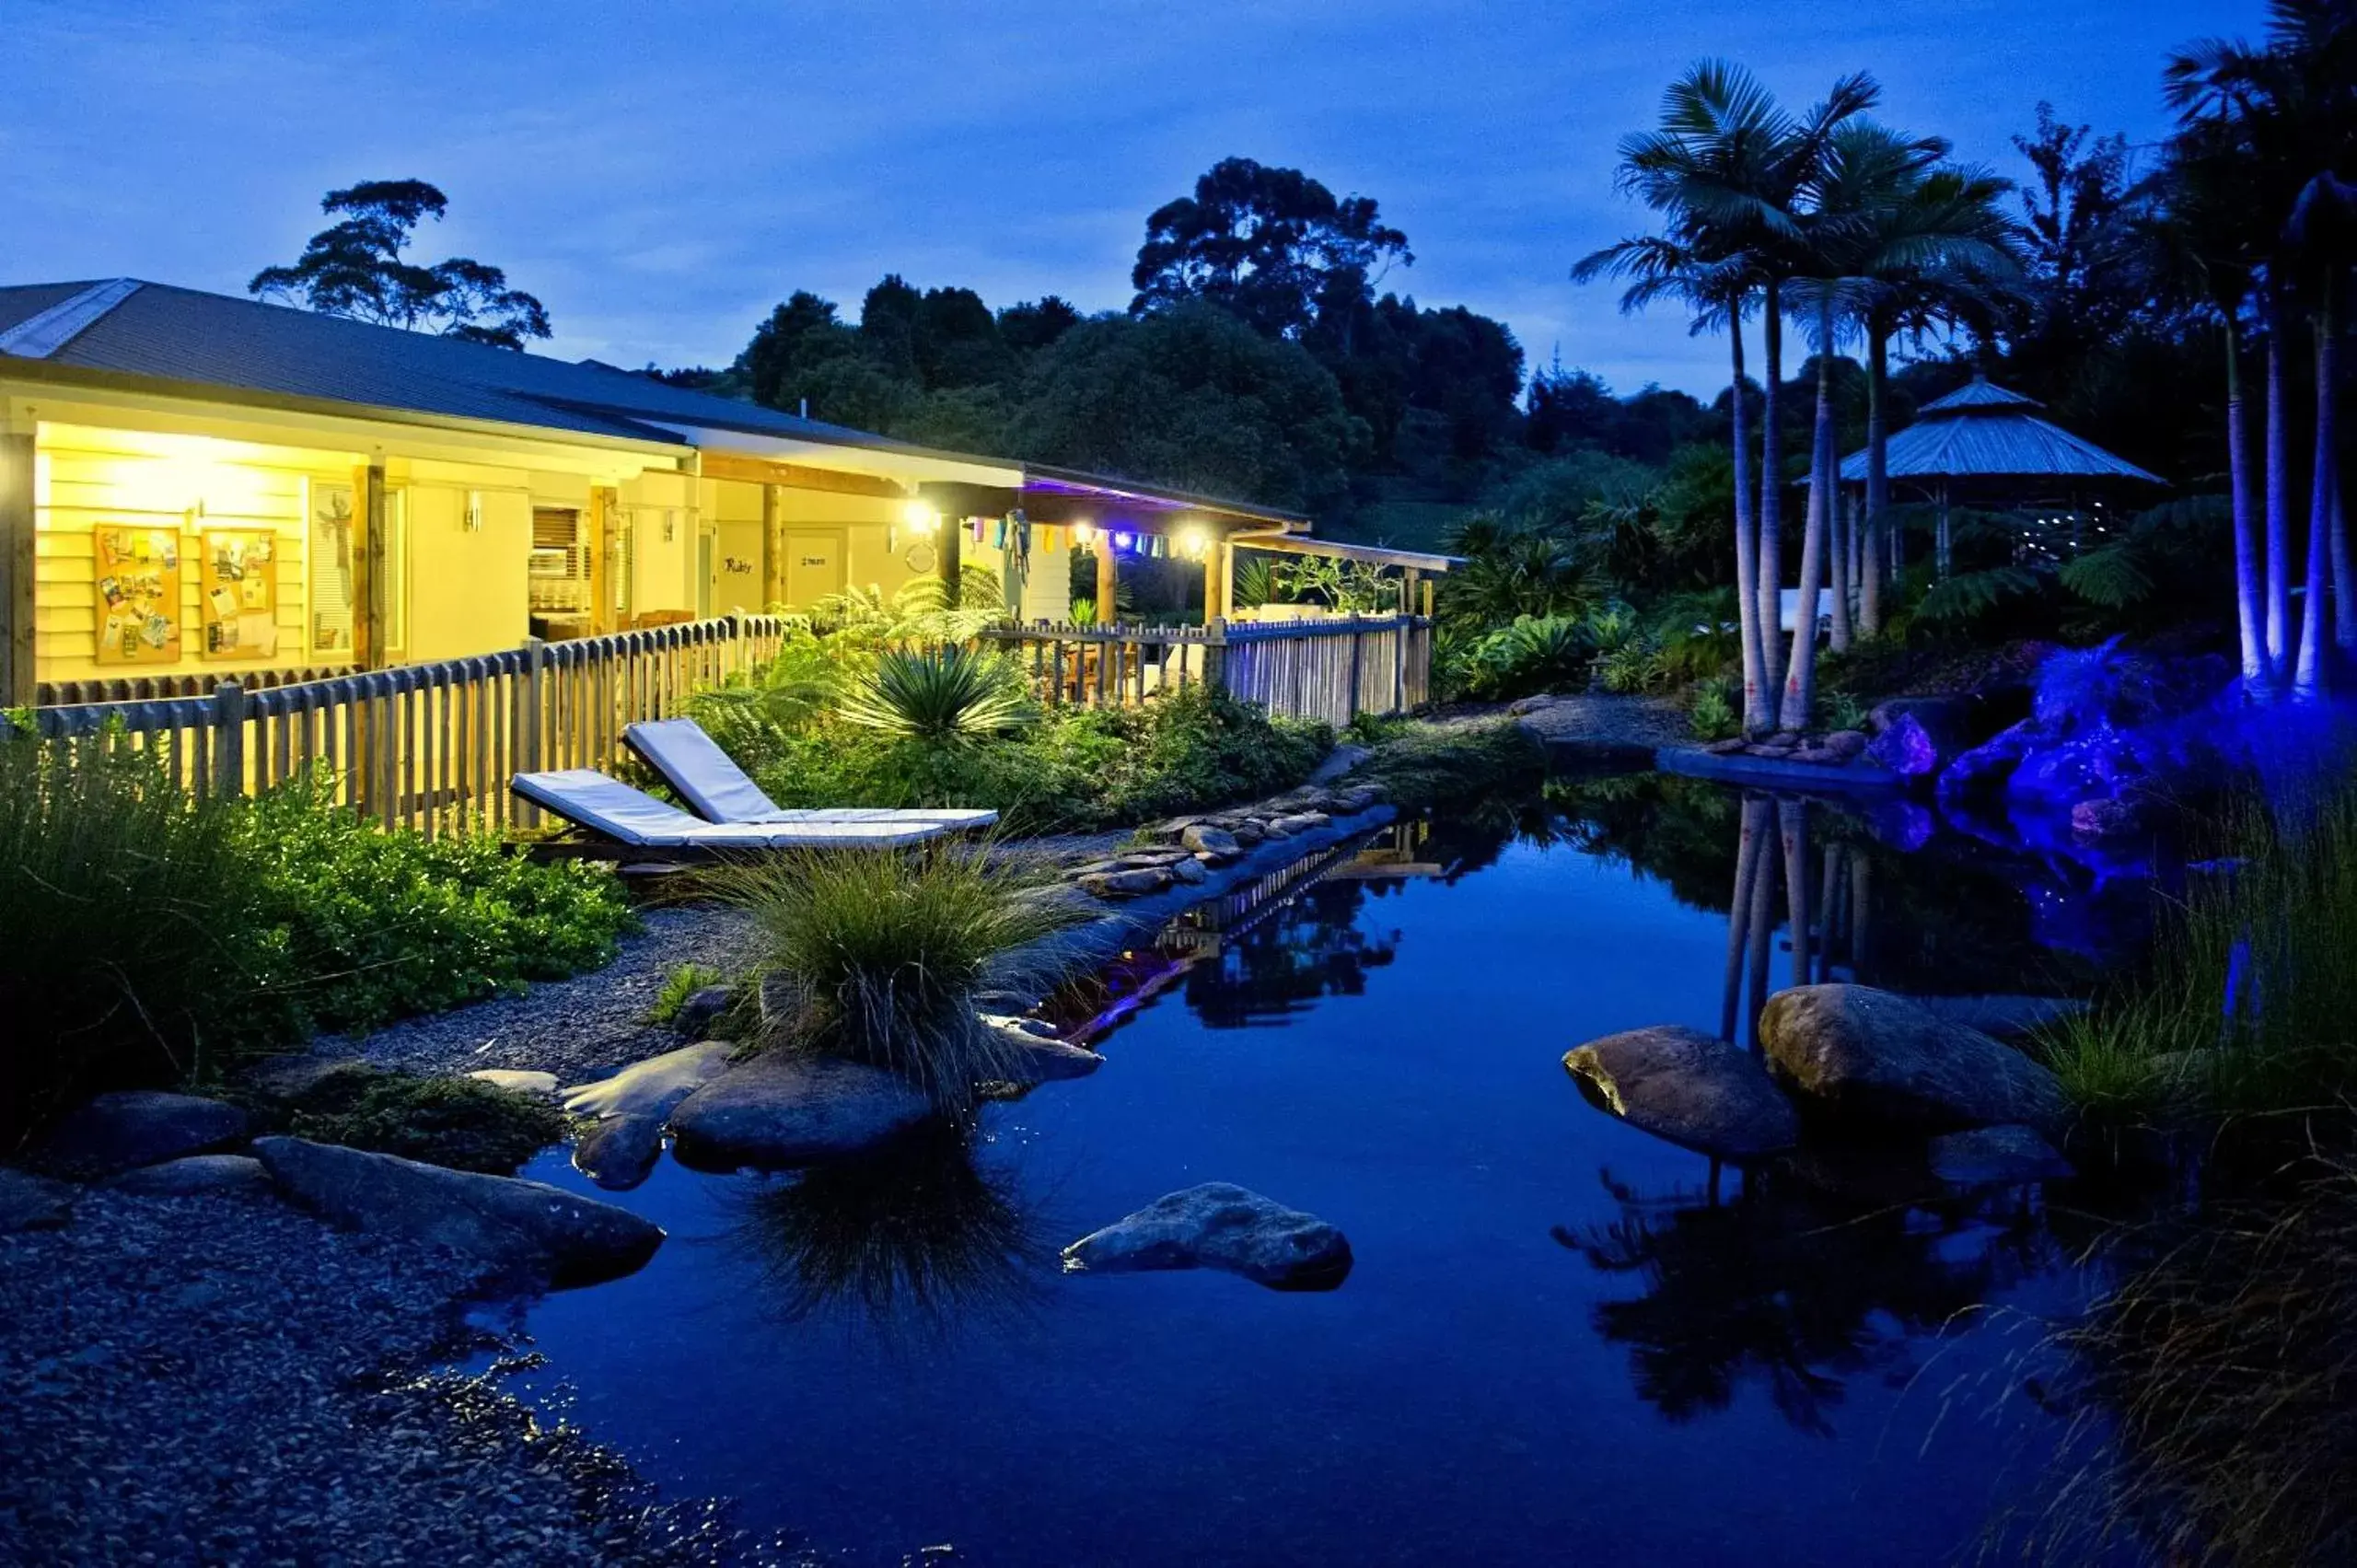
x=910, y=1233
x=1781, y=1286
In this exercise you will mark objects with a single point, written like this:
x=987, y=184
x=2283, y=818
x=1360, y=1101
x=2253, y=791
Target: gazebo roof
x=1981, y=430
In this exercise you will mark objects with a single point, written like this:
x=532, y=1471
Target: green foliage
x=683, y=981
x=941, y=694
x=1842, y=710
x=1256, y=580
x=380, y=924
x=356, y=268
x=891, y=950
x=2113, y=578
x=460, y=1122
x=1714, y=712
x=1528, y=655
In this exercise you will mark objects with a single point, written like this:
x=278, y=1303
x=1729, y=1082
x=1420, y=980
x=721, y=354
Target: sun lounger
x=712, y=784
x=637, y=820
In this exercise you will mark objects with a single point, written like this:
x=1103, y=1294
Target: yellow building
x=194, y=486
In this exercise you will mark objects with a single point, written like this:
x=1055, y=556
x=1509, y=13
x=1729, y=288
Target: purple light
x=1124, y=540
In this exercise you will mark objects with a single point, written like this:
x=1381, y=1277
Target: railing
x=431, y=746
x=1332, y=670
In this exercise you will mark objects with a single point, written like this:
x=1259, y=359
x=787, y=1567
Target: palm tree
x=1716, y=294
x=1710, y=169
x=2284, y=120
x=1864, y=172
x=1945, y=261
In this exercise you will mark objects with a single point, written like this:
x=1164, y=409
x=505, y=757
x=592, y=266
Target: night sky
x=661, y=174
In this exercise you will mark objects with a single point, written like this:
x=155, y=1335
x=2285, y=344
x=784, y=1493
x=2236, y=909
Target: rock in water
x=1219, y=1226
x=1688, y=1088
x=1205, y=838
x=1025, y=1056
x=526, y=1229
x=116, y=1133
x=1996, y=1156
x=785, y=1109
x=32, y=1203
x=652, y=1088
x=516, y=1081
x=1875, y=1063
x=198, y=1175
x=620, y=1151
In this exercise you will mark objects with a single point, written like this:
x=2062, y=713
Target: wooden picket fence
x=431, y=747
x=1329, y=669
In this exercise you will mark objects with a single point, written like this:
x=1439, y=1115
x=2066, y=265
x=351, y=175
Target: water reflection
x=916, y=1235
x=1789, y=1288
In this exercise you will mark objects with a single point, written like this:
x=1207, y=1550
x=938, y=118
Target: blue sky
x=661, y=174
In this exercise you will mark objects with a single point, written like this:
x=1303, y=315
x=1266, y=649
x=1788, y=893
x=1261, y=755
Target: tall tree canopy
x=358, y=267
x=1268, y=244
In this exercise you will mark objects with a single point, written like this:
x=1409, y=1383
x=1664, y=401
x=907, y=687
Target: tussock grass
x=892, y=949
x=2250, y=1005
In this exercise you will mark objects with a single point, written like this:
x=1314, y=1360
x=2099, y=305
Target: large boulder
x=2003, y=1017
x=652, y=1088
x=526, y=1230
x=1875, y=1063
x=197, y=1176
x=33, y=1203
x=121, y=1131
x=1205, y=838
x=1219, y=1226
x=620, y=1151
x=1995, y=1156
x=1690, y=1087
x=785, y=1109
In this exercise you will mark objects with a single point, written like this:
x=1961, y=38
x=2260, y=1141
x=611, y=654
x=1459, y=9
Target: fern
x=1968, y=596
x=2113, y=578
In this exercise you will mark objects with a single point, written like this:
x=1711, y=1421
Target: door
x=814, y=566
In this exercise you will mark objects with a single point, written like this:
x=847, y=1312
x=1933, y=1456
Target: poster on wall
x=139, y=594
x=238, y=593
x=333, y=515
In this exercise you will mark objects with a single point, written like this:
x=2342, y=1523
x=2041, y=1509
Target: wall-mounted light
x=472, y=521
x=919, y=517
x=1193, y=541
x=1124, y=540
x=1083, y=532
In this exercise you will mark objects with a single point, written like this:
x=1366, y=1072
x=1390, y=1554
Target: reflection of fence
x=1206, y=927
x=431, y=746
x=1332, y=670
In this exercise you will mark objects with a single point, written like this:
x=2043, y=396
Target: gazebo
x=1983, y=445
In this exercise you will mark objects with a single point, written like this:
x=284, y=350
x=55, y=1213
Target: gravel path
x=1610, y=721
x=221, y=1381
x=578, y=1029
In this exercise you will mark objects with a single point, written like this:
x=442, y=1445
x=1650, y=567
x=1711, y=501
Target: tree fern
x=2113, y=576
x=1968, y=596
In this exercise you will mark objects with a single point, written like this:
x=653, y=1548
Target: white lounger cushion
x=709, y=780
x=627, y=816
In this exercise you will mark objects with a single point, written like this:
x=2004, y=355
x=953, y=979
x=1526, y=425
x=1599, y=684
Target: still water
x=1562, y=1339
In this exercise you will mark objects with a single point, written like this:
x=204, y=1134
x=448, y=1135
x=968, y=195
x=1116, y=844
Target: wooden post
x=1109, y=580
x=19, y=669
x=1357, y=648
x=230, y=739
x=371, y=564
x=773, y=549
x=1215, y=656
x=951, y=555
x=1219, y=571
x=529, y=721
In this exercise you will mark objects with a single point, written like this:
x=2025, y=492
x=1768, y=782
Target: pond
x=1561, y=1338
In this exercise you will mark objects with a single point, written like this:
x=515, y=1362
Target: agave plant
x=947, y=692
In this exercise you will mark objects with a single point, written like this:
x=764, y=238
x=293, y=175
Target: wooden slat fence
x=431, y=746
x=1329, y=669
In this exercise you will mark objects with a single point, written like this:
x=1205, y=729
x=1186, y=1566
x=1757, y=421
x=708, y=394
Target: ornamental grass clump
x=940, y=694
x=2248, y=1007
x=888, y=953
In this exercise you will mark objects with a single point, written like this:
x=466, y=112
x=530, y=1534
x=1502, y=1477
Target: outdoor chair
x=712, y=784
x=631, y=820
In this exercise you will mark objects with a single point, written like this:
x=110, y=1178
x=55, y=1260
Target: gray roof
x=1983, y=431
x=183, y=335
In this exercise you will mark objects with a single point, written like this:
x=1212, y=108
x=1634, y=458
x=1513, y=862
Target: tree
x=1266, y=244
x=357, y=268
x=1193, y=398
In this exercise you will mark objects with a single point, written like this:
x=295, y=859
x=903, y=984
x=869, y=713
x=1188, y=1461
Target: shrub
x=458, y=1123
x=381, y=924
x=1713, y=713
x=1456, y=763
x=1530, y=653
x=941, y=694
x=890, y=950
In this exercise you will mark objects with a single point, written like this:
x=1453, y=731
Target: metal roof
x=127, y=326
x=1981, y=430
